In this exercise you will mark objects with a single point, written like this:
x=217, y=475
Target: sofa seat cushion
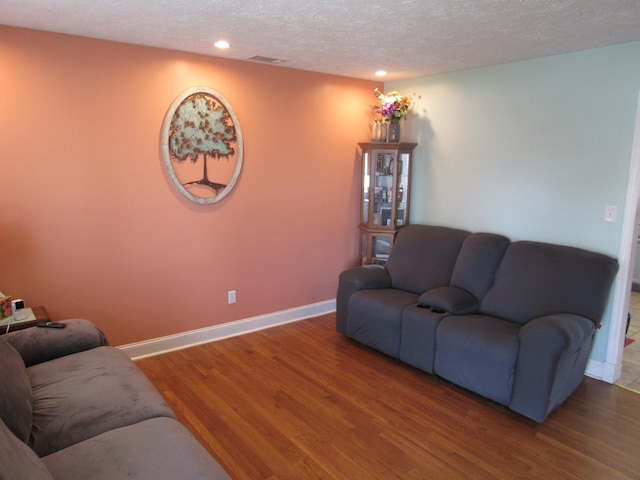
x=154, y=449
x=479, y=353
x=87, y=393
x=418, y=336
x=375, y=317
x=15, y=392
x=18, y=461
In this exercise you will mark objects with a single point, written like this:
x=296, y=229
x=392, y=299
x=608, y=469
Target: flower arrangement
x=392, y=104
x=5, y=305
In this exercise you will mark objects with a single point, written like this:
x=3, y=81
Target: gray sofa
x=71, y=407
x=511, y=321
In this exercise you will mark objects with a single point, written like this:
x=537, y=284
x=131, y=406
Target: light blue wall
x=533, y=150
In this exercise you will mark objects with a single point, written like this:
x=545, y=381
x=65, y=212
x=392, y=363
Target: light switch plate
x=610, y=213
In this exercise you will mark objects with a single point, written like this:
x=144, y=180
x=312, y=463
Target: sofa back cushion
x=423, y=257
x=478, y=261
x=16, y=403
x=536, y=279
x=18, y=461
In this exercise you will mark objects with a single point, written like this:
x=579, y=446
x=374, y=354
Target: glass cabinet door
x=378, y=186
x=383, y=188
x=402, y=190
x=366, y=187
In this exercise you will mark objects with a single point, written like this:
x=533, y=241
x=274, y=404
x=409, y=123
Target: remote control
x=50, y=324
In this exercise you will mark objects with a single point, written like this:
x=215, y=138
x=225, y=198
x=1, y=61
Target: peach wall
x=92, y=226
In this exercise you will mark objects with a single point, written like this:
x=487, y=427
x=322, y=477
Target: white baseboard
x=156, y=346
x=607, y=372
x=594, y=370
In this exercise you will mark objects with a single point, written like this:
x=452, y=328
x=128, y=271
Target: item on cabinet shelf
x=379, y=131
x=393, y=133
x=393, y=107
x=386, y=216
x=392, y=104
x=383, y=131
x=400, y=193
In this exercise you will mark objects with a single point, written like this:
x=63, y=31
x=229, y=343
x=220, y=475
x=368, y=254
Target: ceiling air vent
x=260, y=58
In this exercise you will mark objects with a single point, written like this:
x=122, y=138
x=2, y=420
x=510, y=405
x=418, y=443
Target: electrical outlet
x=231, y=296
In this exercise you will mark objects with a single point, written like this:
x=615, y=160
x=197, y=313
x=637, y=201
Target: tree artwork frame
x=201, y=128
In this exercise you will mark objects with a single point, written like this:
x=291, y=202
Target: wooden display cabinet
x=384, y=206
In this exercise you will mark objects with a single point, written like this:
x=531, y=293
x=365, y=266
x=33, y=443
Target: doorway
x=630, y=377
x=623, y=349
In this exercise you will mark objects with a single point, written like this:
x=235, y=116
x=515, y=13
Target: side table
x=39, y=315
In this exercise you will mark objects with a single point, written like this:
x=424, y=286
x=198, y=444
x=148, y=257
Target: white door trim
x=612, y=367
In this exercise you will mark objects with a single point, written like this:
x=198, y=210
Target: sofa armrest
x=552, y=359
x=366, y=276
x=37, y=345
x=354, y=279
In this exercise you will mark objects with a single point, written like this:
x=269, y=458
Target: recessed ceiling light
x=222, y=44
x=381, y=73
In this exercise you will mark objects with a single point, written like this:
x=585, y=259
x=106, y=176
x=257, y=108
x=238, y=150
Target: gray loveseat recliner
x=72, y=407
x=513, y=322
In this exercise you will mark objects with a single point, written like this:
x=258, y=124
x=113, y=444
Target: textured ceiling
x=408, y=38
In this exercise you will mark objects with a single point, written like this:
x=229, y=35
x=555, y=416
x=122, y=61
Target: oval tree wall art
x=201, y=144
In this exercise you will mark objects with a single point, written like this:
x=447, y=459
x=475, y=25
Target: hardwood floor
x=300, y=401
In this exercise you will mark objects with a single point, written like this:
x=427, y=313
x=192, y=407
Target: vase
x=393, y=131
x=383, y=131
x=375, y=131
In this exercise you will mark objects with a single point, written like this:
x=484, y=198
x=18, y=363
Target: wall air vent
x=260, y=58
